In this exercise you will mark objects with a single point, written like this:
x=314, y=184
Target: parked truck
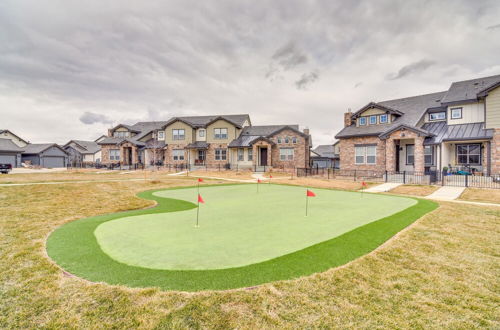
x=5, y=168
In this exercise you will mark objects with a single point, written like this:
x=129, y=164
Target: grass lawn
x=414, y=190
x=246, y=238
x=441, y=272
x=481, y=195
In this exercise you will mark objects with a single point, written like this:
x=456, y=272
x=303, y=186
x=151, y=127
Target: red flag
x=200, y=180
x=270, y=176
x=200, y=199
x=310, y=193
x=363, y=184
x=258, y=181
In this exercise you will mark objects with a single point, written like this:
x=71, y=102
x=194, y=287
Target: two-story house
x=220, y=140
x=458, y=129
x=82, y=152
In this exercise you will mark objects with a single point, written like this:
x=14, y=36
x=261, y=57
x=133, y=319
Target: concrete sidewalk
x=446, y=193
x=383, y=187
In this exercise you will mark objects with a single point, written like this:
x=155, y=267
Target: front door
x=201, y=157
x=397, y=156
x=263, y=156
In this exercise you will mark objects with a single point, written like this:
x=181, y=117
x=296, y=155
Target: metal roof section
x=463, y=132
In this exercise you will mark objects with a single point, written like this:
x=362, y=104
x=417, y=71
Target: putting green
x=244, y=238
x=239, y=226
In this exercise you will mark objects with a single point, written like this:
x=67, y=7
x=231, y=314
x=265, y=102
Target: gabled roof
x=204, y=121
x=197, y=145
x=419, y=131
x=413, y=108
x=37, y=148
x=468, y=90
x=325, y=150
x=111, y=140
x=485, y=91
x=9, y=146
x=85, y=147
x=380, y=106
x=7, y=131
x=128, y=127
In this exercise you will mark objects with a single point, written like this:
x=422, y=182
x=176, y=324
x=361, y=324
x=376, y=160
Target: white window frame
x=114, y=154
x=161, y=135
x=363, y=152
x=279, y=139
x=178, y=154
x=294, y=140
x=176, y=136
x=467, y=154
x=431, y=154
x=455, y=110
x=220, y=154
x=241, y=154
x=219, y=133
x=362, y=121
x=410, y=156
x=370, y=120
x=287, y=154
x=201, y=132
x=386, y=116
x=443, y=113
x=250, y=154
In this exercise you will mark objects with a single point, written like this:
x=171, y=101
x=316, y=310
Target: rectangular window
x=220, y=154
x=121, y=134
x=410, y=154
x=437, y=116
x=279, y=140
x=114, y=154
x=373, y=120
x=178, y=154
x=287, y=140
x=241, y=155
x=468, y=154
x=365, y=154
x=294, y=140
x=201, y=132
x=383, y=119
x=456, y=113
x=429, y=155
x=286, y=153
x=362, y=121
x=250, y=154
x=161, y=135
x=220, y=133
x=178, y=134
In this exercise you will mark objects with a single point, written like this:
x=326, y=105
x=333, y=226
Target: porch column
x=270, y=155
x=419, y=154
x=390, y=155
x=135, y=157
x=255, y=155
x=123, y=154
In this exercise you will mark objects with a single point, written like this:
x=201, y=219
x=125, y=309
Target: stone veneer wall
x=105, y=154
x=495, y=152
x=210, y=154
x=347, y=161
x=301, y=151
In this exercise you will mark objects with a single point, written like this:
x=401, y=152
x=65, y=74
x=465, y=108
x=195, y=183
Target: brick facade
x=347, y=155
x=301, y=152
x=495, y=152
x=105, y=154
x=418, y=150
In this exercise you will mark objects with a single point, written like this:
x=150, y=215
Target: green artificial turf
x=239, y=226
x=75, y=247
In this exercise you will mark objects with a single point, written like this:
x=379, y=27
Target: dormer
x=123, y=131
x=375, y=114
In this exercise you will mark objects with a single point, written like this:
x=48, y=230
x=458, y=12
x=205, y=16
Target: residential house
x=219, y=140
x=326, y=156
x=11, y=148
x=458, y=129
x=83, y=152
x=48, y=155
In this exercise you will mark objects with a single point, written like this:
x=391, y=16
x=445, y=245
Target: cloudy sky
x=71, y=69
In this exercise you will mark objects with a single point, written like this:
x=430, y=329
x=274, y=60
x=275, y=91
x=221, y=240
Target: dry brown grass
x=481, y=195
x=324, y=183
x=241, y=175
x=440, y=273
x=414, y=190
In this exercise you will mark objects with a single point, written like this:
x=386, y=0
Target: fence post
x=466, y=180
x=404, y=177
x=386, y=177
x=354, y=175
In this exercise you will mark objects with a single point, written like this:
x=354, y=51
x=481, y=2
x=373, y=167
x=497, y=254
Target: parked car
x=5, y=168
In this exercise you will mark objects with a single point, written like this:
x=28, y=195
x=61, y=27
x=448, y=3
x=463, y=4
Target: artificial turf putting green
x=282, y=243
x=239, y=226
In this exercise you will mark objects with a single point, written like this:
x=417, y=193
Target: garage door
x=53, y=162
x=8, y=159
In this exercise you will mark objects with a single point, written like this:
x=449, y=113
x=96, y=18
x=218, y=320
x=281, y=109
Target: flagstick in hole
x=363, y=186
x=309, y=193
x=200, y=200
x=258, y=183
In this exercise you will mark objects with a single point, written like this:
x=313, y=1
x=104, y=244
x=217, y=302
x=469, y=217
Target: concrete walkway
x=447, y=193
x=383, y=187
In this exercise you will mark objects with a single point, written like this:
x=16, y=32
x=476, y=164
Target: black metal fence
x=405, y=177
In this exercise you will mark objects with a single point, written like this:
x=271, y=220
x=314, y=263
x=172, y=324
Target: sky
x=72, y=69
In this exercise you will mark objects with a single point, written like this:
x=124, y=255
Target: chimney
x=110, y=132
x=347, y=118
x=306, y=131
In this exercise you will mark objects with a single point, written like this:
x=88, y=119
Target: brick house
x=226, y=140
x=458, y=129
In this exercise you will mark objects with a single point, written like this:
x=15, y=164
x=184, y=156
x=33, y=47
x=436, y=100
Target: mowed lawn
x=442, y=272
x=239, y=225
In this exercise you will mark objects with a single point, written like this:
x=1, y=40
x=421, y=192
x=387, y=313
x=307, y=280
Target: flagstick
x=307, y=202
x=198, y=212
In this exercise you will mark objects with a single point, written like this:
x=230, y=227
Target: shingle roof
x=468, y=89
x=111, y=140
x=326, y=150
x=198, y=145
x=86, y=147
x=265, y=130
x=36, y=148
x=202, y=121
x=444, y=132
x=9, y=146
x=243, y=141
x=413, y=108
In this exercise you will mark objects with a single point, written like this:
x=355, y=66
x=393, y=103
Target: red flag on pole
x=270, y=176
x=200, y=199
x=310, y=193
x=363, y=184
x=200, y=180
x=258, y=181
